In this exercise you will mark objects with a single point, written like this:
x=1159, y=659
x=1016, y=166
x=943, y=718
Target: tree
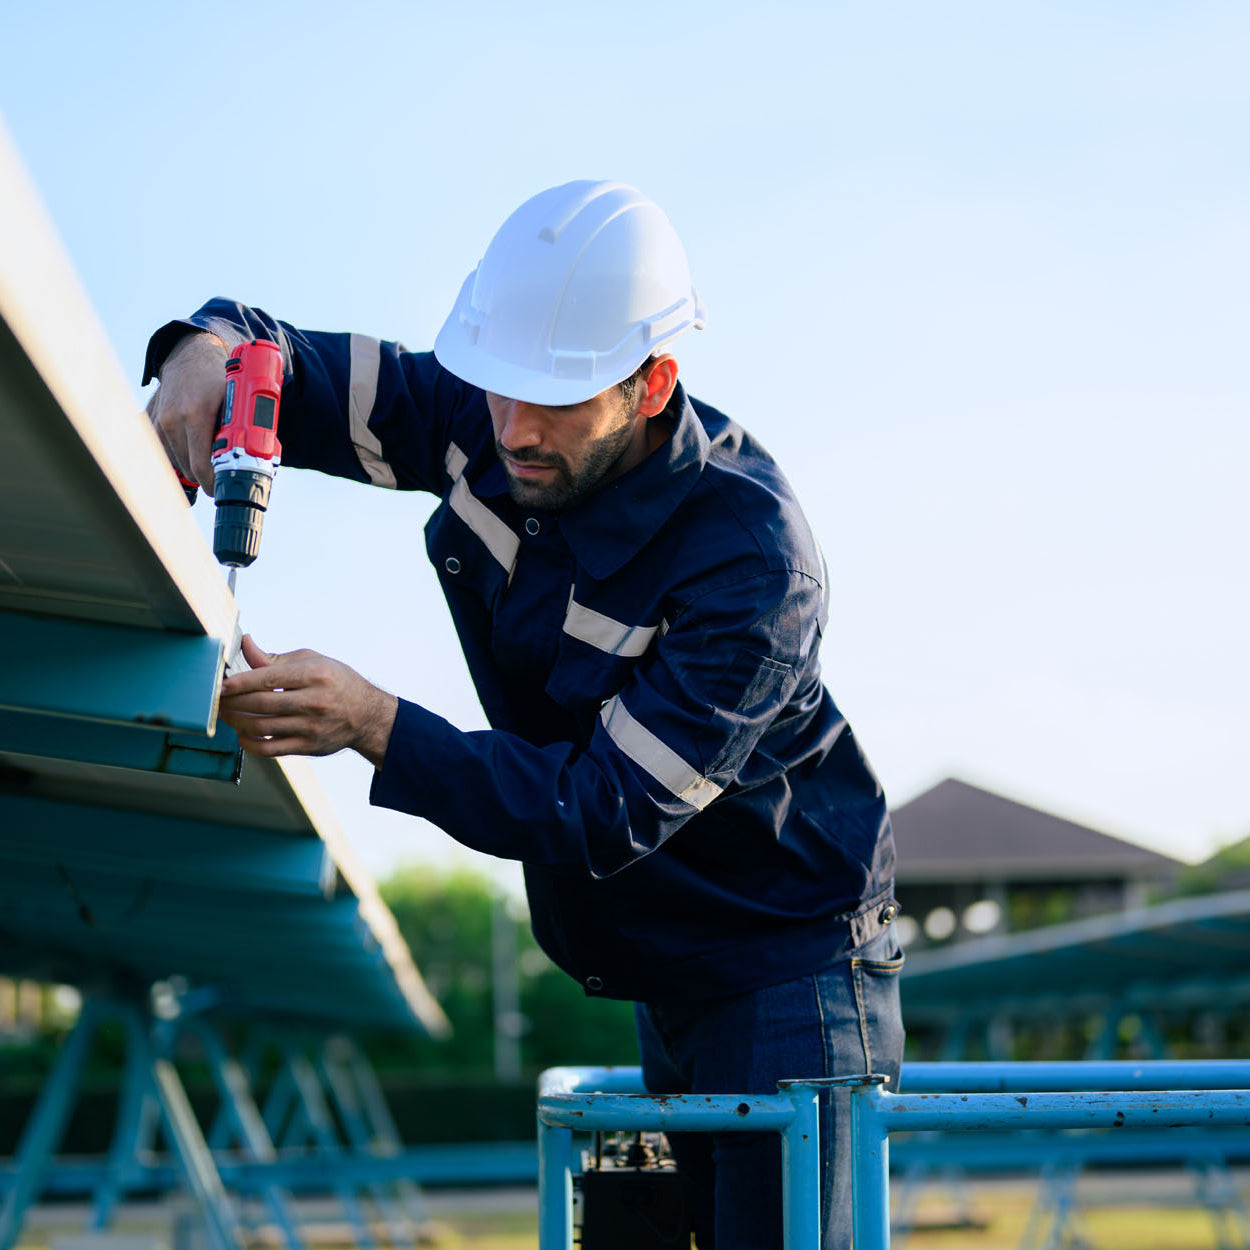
x=445, y=917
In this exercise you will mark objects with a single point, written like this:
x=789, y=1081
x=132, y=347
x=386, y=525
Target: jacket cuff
x=163, y=342
x=413, y=771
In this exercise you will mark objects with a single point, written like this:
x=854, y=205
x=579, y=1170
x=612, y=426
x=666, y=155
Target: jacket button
x=887, y=913
x=451, y=564
x=594, y=983
x=532, y=525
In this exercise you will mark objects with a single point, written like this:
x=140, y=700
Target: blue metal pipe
x=555, y=1186
x=988, y=1151
x=1122, y=1109
x=1056, y=1077
x=870, y=1172
x=608, y=1080
x=658, y=1113
x=489, y=1163
x=987, y=1078
x=800, y=1168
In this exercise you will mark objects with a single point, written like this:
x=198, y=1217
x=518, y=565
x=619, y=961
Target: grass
x=1001, y=1208
x=494, y=1230
x=1002, y=1211
x=1115, y=1219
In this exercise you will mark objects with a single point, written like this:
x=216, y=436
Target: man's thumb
x=255, y=657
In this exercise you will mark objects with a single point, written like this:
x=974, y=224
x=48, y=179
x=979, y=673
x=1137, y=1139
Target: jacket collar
x=615, y=523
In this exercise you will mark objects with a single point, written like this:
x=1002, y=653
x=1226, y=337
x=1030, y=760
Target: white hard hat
x=578, y=287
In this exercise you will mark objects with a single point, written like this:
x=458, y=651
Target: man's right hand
x=186, y=405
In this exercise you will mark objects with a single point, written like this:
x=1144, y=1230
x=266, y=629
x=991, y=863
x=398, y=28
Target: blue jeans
x=840, y=1021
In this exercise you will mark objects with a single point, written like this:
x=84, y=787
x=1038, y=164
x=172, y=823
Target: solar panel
x=127, y=854
x=1185, y=952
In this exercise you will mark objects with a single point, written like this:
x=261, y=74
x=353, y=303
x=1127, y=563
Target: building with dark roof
x=972, y=862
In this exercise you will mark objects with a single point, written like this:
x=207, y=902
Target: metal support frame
x=346, y=1103
x=310, y=1099
x=1055, y=1218
x=1217, y=1191
x=134, y=1135
x=917, y=1174
x=319, y=1088
x=312, y=1119
x=187, y=1142
x=238, y=1105
x=151, y=1081
x=46, y=1125
x=999, y=1096
x=362, y=1111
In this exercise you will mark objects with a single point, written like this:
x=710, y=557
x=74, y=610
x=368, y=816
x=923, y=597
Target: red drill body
x=249, y=420
x=246, y=452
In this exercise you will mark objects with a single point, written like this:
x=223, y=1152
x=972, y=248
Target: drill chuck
x=241, y=496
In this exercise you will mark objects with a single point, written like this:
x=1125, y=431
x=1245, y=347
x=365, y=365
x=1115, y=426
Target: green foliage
x=1031, y=909
x=1218, y=872
x=446, y=920
x=566, y=1027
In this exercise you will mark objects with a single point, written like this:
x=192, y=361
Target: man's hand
x=302, y=703
x=185, y=407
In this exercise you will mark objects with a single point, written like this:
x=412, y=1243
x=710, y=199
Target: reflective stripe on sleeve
x=362, y=391
x=662, y=762
x=500, y=541
x=589, y=626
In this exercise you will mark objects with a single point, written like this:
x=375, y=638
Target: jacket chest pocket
x=469, y=555
x=597, y=656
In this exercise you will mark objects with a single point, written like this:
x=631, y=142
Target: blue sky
x=976, y=273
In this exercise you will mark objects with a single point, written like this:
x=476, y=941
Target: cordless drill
x=246, y=452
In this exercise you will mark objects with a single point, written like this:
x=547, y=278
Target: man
x=640, y=602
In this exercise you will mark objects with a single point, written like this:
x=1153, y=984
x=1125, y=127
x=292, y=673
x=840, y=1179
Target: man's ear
x=659, y=381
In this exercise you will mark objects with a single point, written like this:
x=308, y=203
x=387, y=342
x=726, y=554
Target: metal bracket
x=113, y=694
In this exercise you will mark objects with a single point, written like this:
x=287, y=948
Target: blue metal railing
x=946, y=1096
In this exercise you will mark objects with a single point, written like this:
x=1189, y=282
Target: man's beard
x=567, y=487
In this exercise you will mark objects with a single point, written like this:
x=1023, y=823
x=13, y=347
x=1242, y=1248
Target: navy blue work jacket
x=693, y=813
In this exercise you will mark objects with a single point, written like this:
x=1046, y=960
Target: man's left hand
x=303, y=703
